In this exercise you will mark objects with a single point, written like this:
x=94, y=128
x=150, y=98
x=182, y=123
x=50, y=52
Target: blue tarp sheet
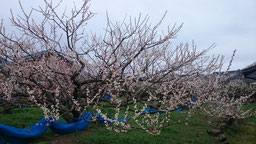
x=108, y=96
x=66, y=128
x=15, y=135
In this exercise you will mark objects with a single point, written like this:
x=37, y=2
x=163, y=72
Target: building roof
x=42, y=53
x=4, y=61
x=250, y=69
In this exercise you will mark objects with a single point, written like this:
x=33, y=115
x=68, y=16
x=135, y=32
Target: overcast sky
x=231, y=24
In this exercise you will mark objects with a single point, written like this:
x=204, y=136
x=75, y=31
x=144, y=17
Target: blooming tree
x=54, y=65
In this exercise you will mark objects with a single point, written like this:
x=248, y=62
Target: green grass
x=195, y=132
x=22, y=117
x=243, y=131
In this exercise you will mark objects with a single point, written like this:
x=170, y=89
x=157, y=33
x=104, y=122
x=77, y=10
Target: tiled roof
x=249, y=71
x=250, y=68
x=3, y=61
x=42, y=53
x=253, y=65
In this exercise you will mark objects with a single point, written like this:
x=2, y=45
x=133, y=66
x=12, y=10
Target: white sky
x=231, y=24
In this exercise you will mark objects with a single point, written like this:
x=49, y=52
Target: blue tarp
x=1, y=140
x=108, y=96
x=15, y=135
x=65, y=128
x=180, y=109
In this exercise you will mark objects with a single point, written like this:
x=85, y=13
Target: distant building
x=36, y=57
x=53, y=59
x=231, y=75
x=3, y=61
x=250, y=71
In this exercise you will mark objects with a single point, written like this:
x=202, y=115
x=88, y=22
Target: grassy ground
x=195, y=132
x=243, y=131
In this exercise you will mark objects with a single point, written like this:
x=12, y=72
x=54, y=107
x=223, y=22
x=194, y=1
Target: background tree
x=54, y=65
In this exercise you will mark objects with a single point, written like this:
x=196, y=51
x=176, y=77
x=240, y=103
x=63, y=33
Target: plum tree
x=54, y=65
